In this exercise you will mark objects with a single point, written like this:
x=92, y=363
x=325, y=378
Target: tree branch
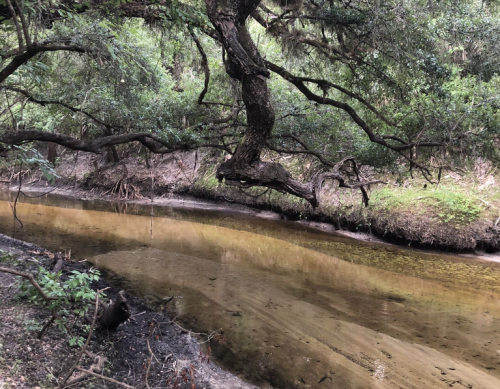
x=18, y=28
x=31, y=279
x=372, y=135
x=152, y=142
x=30, y=52
x=306, y=149
x=55, y=102
x=204, y=64
x=24, y=24
x=82, y=351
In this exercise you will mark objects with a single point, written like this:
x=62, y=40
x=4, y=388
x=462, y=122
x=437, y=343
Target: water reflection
x=300, y=308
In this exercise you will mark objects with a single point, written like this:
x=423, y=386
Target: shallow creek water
x=299, y=307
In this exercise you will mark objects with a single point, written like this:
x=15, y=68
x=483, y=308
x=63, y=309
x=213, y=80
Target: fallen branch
x=82, y=351
x=97, y=366
x=105, y=378
x=150, y=360
x=30, y=277
x=47, y=325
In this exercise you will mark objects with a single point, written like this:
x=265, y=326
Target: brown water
x=299, y=307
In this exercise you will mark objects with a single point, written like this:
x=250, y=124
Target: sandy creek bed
x=299, y=307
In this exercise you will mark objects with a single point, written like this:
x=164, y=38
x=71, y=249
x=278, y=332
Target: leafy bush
x=74, y=297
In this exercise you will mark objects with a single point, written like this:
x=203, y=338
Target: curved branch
x=150, y=141
x=31, y=279
x=372, y=135
x=274, y=176
x=324, y=84
x=306, y=149
x=33, y=50
x=16, y=24
x=204, y=64
x=55, y=102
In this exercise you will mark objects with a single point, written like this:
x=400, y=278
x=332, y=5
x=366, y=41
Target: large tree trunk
x=112, y=155
x=52, y=153
x=245, y=64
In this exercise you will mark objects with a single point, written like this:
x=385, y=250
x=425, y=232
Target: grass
x=446, y=203
x=457, y=213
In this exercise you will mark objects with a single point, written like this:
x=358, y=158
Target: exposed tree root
x=275, y=176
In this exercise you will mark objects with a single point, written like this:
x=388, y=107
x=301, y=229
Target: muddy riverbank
x=68, y=194
x=459, y=214
x=150, y=338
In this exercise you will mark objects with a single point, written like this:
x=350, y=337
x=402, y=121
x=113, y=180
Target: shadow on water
x=299, y=307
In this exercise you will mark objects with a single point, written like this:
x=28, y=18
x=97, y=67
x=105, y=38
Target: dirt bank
x=150, y=350
x=459, y=215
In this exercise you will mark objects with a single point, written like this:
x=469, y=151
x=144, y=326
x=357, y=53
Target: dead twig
x=150, y=360
x=47, y=325
x=105, y=378
x=14, y=207
x=82, y=351
x=97, y=366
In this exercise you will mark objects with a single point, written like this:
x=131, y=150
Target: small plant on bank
x=8, y=258
x=32, y=325
x=72, y=299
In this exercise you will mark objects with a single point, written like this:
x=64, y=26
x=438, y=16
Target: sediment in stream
x=296, y=305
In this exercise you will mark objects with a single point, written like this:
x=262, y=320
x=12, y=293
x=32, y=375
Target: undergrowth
x=447, y=203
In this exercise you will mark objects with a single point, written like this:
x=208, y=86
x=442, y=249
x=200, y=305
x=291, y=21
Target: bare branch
x=23, y=23
x=372, y=134
x=56, y=102
x=18, y=28
x=82, y=351
x=89, y=372
x=151, y=141
x=204, y=64
x=36, y=48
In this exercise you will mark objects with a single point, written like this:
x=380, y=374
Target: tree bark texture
x=245, y=64
x=52, y=154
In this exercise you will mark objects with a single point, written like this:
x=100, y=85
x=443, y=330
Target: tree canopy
x=347, y=82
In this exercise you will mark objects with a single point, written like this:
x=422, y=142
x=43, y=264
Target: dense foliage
x=384, y=81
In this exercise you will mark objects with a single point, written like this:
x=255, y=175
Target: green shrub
x=74, y=298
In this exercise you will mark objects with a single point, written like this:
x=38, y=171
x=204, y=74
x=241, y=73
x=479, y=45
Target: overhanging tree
x=358, y=59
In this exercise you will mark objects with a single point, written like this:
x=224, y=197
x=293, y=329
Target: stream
x=298, y=307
